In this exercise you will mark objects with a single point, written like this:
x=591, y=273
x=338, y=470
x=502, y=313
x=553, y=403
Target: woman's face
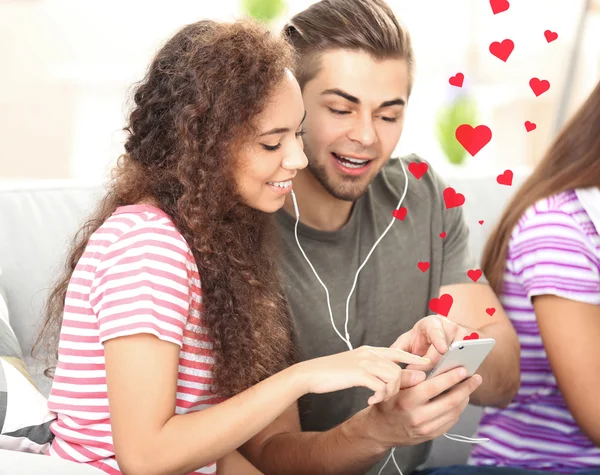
x=270, y=160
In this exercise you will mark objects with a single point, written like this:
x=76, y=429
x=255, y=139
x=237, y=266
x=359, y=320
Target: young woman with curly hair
x=174, y=340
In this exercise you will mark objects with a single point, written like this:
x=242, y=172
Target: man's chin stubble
x=337, y=192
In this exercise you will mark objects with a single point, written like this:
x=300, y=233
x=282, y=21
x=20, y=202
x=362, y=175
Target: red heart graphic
x=490, y=311
x=499, y=6
x=529, y=126
x=400, y=213
x=423, y=266
x=418, y=169
x=502, y=50
x=481, y=221
x=550, y=36
x=539, y=87
x=457, y=80
x=473, y=139
x=443, y=235
x=475, y=274
x=506, y=178
x=452, y=198
x=442, y=305
x=472, y=336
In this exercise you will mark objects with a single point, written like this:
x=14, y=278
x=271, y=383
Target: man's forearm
x=500, y=371
x=347, y=449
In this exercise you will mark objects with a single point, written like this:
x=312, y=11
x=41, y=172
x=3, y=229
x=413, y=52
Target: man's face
x=355, y=110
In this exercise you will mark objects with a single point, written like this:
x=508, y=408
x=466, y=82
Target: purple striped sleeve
x=550, y=254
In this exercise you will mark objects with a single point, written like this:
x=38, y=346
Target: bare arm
x=142, y=401
x=234, y=463
x=501, y=369
x=284, y=449
x=149, y=438
x=570, y=332
x=353, y=447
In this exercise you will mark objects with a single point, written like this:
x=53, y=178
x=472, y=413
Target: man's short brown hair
x=355, y=25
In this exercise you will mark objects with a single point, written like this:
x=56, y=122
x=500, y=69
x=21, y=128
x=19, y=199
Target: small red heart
x=418, y=169
x=506, y=178
x=499, y=6
x=550, y=36
x=442, y=305
x=473, y=139
x=452, y=198
x=529, y=126
x=472, y=336
x=457, y=80
x=490, y=311
x=502, y=50
x=423, y=266
x=539, y=86
x=481, y=221
x=443, y=235
x=475, y=274
x=400, y=213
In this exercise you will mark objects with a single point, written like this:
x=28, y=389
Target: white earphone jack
x=346, y=338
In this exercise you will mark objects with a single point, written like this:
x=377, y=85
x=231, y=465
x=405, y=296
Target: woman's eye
x=335, y=111
x=302, y=133
x=271, y=148
x=390, y=119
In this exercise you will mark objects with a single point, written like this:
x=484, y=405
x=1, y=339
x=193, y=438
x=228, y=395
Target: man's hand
x=420, y=413
x=430, y=337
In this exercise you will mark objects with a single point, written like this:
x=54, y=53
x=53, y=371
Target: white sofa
x=37, y=222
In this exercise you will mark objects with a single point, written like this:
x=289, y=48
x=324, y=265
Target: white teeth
x=347, y=165
x=281, y=184
x=354, y=160
x=351, y=162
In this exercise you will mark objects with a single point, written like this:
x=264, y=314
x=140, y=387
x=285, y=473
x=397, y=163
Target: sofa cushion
x=24, y=415
x=37, y=223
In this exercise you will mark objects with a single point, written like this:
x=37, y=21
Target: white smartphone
x=466, y=353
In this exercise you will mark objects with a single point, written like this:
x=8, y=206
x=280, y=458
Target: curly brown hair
x=193, y=110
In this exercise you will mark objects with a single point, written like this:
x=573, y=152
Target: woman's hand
x=371, y=367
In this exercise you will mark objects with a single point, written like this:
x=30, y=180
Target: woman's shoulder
x=557, y=223
x=560, y=209
x=142, y=227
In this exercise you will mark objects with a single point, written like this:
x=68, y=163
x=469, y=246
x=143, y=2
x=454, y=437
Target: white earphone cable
x=346, y=339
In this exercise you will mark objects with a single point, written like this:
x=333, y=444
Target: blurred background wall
x=67, y=67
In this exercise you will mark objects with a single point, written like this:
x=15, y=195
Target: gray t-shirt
x=391, y=294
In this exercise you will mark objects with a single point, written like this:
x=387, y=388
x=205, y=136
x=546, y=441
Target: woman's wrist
x=299, y=378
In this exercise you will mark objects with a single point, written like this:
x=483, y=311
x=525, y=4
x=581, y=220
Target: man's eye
x=302, y=133
x=271, y=148
x=335, y=111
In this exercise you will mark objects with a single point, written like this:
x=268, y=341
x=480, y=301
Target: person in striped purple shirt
x=543, y=260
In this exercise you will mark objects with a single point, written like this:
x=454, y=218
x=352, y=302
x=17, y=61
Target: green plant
x=263, y=10
x=462, y=110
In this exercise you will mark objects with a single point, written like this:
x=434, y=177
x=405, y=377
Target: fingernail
x=462, y=372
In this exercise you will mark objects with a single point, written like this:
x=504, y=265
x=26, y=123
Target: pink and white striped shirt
x=137, y=275
x=553, y=250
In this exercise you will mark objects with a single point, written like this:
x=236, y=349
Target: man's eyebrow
x=394, y=102
x=339, y=92
x=356, y=100
x=281, y=130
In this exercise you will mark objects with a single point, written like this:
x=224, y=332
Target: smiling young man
x=356, y=78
